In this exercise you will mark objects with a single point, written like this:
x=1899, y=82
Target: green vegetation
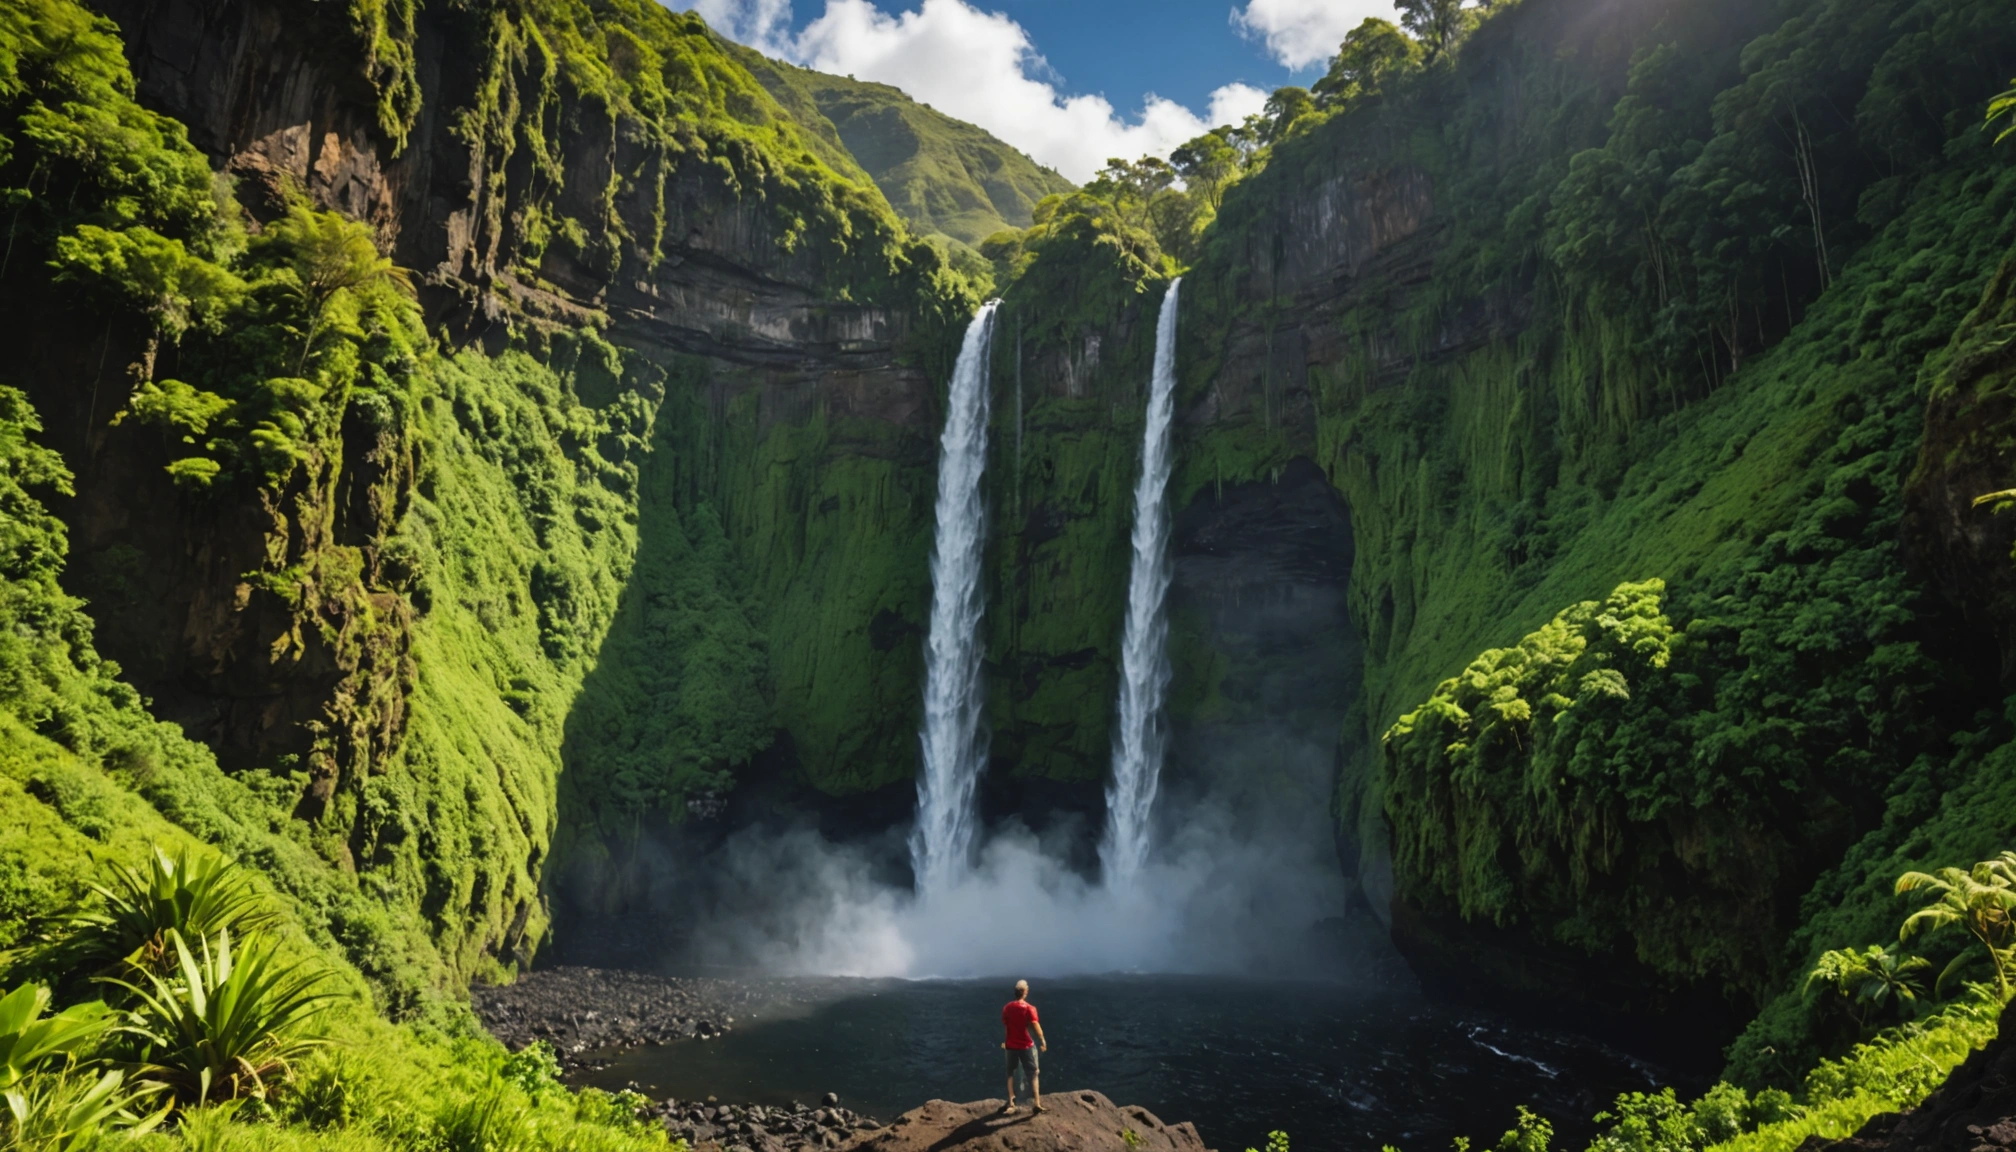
x=252, y=1045
x=1893, y=1070
x=223, y=1027
x=1608, y=336
x=1978, y=900
x=437, y=542
x=944, y=177
x=1871, y=981
x=85, y=775
x=2001, y=106
x=1637, y=315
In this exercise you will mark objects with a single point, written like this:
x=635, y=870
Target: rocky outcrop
x=280, y=100
x=1969, y=452
x=1077, y=1121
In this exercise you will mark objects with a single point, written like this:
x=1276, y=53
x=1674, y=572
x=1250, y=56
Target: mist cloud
x=1244, y=870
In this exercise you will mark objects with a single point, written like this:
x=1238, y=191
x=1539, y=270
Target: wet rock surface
x=1079, y=1121
x=711, y=1127
x=589, y=1015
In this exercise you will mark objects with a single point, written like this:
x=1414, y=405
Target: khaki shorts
x=1023, y=1058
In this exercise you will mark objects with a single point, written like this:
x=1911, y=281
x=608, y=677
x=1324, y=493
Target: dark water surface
x=1336, y=1066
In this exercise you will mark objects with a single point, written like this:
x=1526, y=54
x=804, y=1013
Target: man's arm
x=1040, y=1041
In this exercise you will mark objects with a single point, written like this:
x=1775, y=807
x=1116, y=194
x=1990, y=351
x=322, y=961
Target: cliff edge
x=1080, y=1121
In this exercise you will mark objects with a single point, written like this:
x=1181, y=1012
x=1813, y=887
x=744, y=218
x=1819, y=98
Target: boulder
x=1080, y=1121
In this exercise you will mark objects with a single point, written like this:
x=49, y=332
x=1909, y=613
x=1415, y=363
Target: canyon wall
x=624, y=542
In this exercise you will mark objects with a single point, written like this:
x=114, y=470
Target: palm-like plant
x=197, y=893
x=2001, y=106
x=1981, y=900
x=1870, y=980
x=225, y=1024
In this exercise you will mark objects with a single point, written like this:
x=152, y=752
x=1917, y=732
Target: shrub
x=229, y=1023
x=490, y=1120
x=334, y=1091
x=195, y=892
x=534, y=1070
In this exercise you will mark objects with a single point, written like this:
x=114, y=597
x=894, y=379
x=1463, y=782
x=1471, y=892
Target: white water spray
x=1144, y=656
x=954, y=739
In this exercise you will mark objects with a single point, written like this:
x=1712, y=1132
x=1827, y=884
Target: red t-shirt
x=1018, y=1015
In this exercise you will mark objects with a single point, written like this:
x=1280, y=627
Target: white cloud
x=981, y=67
x=1299, y=33
x=761, y=24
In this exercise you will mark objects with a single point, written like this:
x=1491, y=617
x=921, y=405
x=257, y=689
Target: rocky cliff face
x=1967, y=454
x=720, y=339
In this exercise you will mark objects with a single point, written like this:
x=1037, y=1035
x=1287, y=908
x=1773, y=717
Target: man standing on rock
x=1020, y=1016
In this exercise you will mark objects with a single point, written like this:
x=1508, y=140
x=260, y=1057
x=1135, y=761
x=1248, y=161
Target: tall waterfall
x=1144, y=657
x=954, y=740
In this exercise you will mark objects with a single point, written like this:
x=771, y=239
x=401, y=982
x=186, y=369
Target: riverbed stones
x=760, y=1128
x=589, y=1015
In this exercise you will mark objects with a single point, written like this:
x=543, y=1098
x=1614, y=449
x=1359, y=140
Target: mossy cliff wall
x=652, y=328
x=1557, y=316
x=1533, y=391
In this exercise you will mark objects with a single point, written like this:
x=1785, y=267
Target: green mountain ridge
x=945, y=177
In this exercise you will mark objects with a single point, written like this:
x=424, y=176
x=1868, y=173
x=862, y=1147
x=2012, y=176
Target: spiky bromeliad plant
x=1981, y=900
x=225, y=1022
x=195, y=892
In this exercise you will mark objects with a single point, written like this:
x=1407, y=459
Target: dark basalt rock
x=707, y=1126
x=1079, y=1121
x=590, y=1014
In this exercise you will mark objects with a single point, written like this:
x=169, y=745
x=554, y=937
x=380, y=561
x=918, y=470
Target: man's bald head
x=1021, y=989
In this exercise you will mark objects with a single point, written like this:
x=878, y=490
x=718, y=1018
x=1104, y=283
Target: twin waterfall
x=1144, y=647
x=954, y=735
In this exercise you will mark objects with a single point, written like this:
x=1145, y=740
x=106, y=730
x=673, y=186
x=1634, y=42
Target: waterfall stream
x=954, y=739
x=1144, y=657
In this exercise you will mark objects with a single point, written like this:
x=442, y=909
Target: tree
x=156, y=274
x=1372, y=53
x=2004, y=105
x=329, y=254
x=1870, y=980
x=1131, y=186
x=1980, y=900
x=1439, y=24
x=1284, y=109
x=1208, y=165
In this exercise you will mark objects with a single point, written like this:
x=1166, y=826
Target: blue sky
x=1125, y=49
x=1070, y=82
